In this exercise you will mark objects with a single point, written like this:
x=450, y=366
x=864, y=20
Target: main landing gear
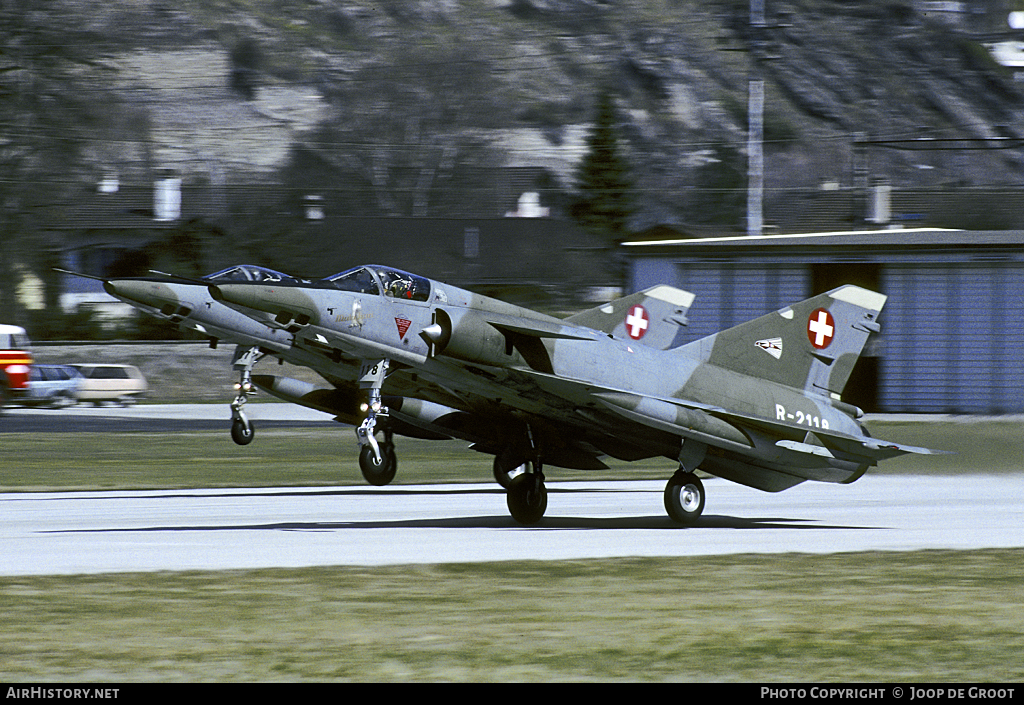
x=527, y=496
x=684, y=498
x=684, y=493
x=520, y=471
x=242, y=431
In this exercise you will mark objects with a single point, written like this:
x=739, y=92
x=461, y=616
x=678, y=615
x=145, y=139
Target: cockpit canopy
x=375, y=279
x=251, y=273
x=359, y=280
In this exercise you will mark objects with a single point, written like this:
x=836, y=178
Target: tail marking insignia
x=821, y=328
x=637, y=322
x=772, y=346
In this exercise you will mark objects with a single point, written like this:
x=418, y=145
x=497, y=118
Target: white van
x=121, y=383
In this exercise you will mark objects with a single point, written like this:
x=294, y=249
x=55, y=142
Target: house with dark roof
x=530, y=260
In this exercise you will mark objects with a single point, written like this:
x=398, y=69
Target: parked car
x=121, y=383
x=54, y=386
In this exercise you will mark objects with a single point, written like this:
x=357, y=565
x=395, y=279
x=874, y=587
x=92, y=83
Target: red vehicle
x=15, y=360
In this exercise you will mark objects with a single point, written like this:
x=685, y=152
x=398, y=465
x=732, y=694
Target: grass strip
x=315, y=457
x=934, y=616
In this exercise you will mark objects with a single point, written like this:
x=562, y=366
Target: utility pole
x=755, y=159
x=755, y=125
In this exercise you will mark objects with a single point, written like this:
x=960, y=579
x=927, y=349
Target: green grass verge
x=985, y=445
x=287, y=457
x=315, y=457
x=897, y=617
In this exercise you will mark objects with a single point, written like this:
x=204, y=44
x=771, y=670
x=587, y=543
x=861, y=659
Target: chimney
x=529, y=207
x=880, y=208
x=167, y=198
x=313, y=205
x=109, y=183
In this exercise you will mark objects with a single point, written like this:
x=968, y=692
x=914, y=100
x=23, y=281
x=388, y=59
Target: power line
x=922, y=144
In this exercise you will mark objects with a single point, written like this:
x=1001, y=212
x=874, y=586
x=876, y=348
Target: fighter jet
x=758, y=404
x=186, y=304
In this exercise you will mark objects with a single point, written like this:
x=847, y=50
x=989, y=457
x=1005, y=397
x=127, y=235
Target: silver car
x=53, y=386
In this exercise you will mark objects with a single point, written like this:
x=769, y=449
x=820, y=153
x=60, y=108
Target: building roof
x=129, y=207
x=470, y=250
x=907, y=238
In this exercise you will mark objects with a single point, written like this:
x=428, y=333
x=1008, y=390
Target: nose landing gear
x=242, y=431
x=379, y=470
x=378, y=464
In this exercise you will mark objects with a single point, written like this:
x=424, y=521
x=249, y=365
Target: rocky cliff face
x=409, y=99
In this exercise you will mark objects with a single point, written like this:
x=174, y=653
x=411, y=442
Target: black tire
x=527, y=498
x=242, y=432
x=60, y=400
x=684, y=498
x=382, y=472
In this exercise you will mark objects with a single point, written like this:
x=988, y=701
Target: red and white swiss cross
x=821, y=328
x=637, y=322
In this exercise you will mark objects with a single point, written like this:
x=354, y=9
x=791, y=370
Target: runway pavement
x=155, y=418
x=123, y=531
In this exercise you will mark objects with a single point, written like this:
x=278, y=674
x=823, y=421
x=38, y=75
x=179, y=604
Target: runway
x=128, y=531
x=156, y=418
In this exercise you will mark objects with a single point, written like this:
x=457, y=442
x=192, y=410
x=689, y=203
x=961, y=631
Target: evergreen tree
x=246, y=58
x=603, y=179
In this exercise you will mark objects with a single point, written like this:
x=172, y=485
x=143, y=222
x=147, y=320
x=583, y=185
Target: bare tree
x=47, y=99
x=403, y=135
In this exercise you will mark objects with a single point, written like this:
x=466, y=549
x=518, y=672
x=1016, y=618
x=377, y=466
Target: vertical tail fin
x=812, y=345
x=652, y=317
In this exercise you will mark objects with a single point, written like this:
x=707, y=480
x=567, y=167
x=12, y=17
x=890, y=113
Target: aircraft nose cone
x=245, y=295
x=148, y=293
x=288, y=303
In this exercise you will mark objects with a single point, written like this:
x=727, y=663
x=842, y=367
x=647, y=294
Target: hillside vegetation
x=397, y=107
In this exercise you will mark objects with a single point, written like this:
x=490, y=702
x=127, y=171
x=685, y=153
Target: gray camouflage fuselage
x=758, y=404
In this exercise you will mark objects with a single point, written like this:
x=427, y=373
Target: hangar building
x=952, y=329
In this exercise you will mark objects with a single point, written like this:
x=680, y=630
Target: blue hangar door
x=953, y=336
